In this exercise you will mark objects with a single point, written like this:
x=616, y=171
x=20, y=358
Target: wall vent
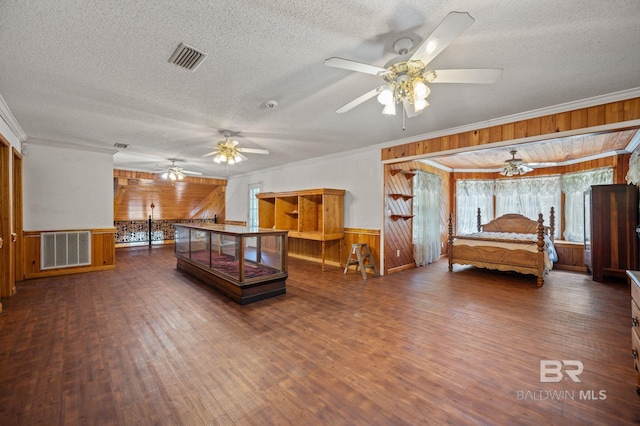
x=188, y=57
x=65, y=249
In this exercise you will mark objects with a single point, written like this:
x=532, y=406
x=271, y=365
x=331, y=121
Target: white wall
x=67, y=188
x=358, y=172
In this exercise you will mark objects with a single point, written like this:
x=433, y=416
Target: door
x=7, y=280
x=18, y=228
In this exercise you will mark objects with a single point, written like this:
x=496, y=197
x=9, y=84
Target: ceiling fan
x=228, y=151
x=514, y=166
x=407, y=76
x=176, y=173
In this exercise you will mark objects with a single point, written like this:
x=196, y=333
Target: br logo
x=551, y=370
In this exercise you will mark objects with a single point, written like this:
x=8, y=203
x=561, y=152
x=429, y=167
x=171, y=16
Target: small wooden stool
x=358, y=255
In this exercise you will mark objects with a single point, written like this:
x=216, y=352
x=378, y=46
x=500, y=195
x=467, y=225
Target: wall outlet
x=398, y=253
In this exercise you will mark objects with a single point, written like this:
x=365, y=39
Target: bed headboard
x=512, y=223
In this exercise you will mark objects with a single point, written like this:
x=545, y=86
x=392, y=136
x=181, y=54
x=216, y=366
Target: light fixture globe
x=407, y=79
x=386, y=95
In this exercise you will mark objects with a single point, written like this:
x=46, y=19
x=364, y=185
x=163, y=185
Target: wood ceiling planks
x=556, y=150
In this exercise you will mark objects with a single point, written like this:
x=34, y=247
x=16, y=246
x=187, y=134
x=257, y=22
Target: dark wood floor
x=144, y=344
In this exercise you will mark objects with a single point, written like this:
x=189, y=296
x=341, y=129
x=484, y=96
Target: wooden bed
x=492, y=249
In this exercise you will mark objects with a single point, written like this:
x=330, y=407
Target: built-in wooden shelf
x=403, y=196
x=310, y=214
x=395, y=217
x=407, y=173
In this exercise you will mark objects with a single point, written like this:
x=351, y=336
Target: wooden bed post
x=540, y=250
x=450, y=242
x=552, y=223
x=479, y=220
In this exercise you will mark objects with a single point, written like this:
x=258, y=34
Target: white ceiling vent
x=188, y=57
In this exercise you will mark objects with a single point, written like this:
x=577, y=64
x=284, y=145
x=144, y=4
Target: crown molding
x=8, y=117
x=69, y=145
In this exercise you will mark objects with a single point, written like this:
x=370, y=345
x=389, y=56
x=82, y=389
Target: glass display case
x=246, y=264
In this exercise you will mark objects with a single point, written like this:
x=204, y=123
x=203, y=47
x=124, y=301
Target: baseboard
x=570, y=268
x=401, y=268
x=315, y=259
x=68, y=271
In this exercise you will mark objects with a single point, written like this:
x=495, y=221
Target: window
x=573, y=186
x=530, y=197
x=427, y=189
x=471, y=195
x=254, y=188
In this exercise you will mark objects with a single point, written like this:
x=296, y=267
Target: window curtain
x=573, y=186
x=427, y=189
x=471, y=195
x=529, y=197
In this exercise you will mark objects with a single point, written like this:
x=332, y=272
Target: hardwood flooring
x=145, y=344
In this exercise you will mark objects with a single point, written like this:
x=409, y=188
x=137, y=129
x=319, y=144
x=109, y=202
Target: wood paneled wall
x=190, y=198
x=103, y=254
x=611, y=113
x=398, y=231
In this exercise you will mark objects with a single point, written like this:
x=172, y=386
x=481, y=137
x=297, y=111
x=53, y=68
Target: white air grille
x=188, y=57
x=65, y=249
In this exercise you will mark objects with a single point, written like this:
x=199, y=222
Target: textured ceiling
x=96, y=73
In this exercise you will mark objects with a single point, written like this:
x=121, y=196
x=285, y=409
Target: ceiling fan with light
x=514, y=166
x=407, y=76
x=177, y=173
x=228, y=151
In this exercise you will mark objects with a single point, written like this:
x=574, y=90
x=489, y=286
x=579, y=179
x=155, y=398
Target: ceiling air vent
x=188, y=57
x=120, y=145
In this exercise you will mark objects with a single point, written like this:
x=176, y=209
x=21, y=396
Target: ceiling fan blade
x=211, y=153
x=448, y=30
x=253, y=150
x=354, y=66
x=477, y=76
x=357, y=101
x=187, y=172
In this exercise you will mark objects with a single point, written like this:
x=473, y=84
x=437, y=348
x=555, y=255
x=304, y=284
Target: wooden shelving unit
x=312, y=214
x=398, y=196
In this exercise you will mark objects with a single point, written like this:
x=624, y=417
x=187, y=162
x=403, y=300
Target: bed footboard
x=504, y=259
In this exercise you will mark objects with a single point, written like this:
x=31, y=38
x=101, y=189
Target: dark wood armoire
x=614, y=218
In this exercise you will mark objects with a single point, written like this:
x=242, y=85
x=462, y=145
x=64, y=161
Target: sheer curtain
x=471, y=195
x=574, y=185
x=427, y=189
x=529, y=197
